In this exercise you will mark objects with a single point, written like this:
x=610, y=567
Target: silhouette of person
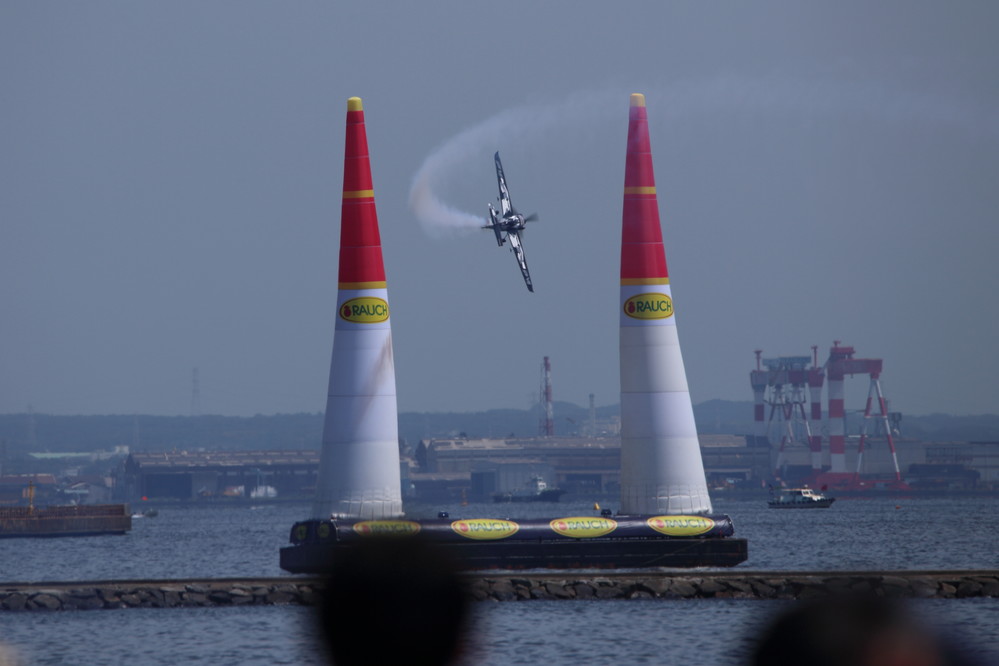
x=851, y=630
x=393, y=601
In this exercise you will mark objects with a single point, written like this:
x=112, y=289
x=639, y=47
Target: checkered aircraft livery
x=508, y=224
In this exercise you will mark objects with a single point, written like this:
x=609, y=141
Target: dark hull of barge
x=634, y=542
x=609, y=554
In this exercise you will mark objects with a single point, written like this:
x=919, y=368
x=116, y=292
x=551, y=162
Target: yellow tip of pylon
x=637, y=99
x=596, y=506
x=354, y=104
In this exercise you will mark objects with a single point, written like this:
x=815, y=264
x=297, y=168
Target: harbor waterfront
x=222, y=541
x=884, y=534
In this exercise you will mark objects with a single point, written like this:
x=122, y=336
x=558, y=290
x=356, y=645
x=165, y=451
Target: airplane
x=508, y=224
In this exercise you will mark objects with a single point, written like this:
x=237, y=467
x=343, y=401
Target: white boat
x=536, y=490
x=264, y=492
x=798, y=498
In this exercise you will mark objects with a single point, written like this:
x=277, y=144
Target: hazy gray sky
x=170, y=179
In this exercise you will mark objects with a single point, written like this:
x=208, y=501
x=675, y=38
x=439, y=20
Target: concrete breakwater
x=92, y=595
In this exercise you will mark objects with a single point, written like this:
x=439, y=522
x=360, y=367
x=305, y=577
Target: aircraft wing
x=518, y=251
x=504, y=194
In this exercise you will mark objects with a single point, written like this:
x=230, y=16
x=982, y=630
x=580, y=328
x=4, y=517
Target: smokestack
x=661, y=467
x=359, y=465
x=593, y=416
x=548, y=421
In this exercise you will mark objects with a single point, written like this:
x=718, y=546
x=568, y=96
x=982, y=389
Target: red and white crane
x=780, y=383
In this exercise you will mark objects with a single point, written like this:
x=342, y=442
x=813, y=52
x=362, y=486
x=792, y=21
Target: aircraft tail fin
x=495, y=226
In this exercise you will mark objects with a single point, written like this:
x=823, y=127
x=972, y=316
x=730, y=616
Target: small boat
x=798, y=498
x=536, y=490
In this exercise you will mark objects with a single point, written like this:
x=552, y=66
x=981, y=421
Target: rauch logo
x=386, y=528
x=649, y=306
x=485, y=528
x=364, y=310
x=680, y=525
x=581, y=527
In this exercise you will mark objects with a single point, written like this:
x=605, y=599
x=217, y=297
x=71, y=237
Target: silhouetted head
x=393, y=601
x=854, y=630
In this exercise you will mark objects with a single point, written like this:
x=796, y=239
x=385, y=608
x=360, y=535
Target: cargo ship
x=573, y=542
x=63, y=521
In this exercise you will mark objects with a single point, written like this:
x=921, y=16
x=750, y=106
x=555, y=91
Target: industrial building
x=14, y=488
x=579, y=465
x=473, y=469
x=192, y=475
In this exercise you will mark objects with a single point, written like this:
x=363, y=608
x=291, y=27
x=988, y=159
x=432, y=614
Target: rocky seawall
x=93, y=595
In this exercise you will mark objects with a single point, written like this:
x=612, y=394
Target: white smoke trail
x=804, y=101
x=508, y=127
x=437, y=217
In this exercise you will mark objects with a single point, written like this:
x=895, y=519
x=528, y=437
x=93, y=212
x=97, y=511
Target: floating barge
x=576, y=542
x=61, y=521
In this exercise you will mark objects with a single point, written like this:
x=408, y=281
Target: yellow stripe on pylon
x=640, y=190
x=629, y=282
x=358, y=194
x=361, y=285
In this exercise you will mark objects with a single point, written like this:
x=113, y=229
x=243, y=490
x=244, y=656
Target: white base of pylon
x=661, y=467
x=359, y=466
x=355, y=479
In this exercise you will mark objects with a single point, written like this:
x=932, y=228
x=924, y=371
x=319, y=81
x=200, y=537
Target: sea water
x=243, y=541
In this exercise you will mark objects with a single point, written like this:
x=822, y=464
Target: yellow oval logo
x=485, y=528
x=386, y=528
x=583, y=527
x=649, y=306
x=364, y=310
x=680, y=525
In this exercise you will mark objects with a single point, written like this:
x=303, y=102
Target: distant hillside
x=569, y=419
x=724, y=417
x=44, y=432
x=944, y=427
x=20, y=433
